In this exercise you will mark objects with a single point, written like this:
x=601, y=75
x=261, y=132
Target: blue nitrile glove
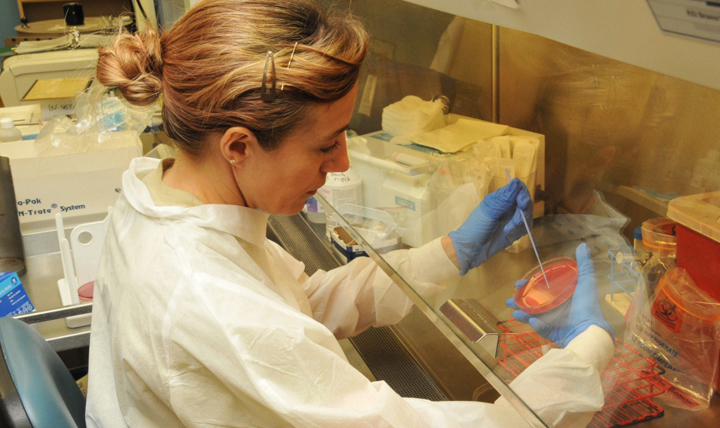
x=493, y=225
x=563, y=324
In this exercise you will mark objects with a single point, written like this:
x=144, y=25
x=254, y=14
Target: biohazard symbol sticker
x=667, y=312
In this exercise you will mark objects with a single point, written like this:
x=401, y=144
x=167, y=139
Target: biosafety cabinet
x=617, y=102
x=623, y=100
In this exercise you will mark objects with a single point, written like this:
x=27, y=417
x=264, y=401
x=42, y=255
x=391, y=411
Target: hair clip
x=282, y=87
x=268, y=94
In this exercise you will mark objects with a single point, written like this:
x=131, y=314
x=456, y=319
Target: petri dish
x=85, y=291
x=536, y=296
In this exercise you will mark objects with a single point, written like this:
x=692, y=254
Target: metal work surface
x=40, y=282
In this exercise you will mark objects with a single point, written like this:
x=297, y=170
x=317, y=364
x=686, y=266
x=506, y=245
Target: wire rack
x=630, y=381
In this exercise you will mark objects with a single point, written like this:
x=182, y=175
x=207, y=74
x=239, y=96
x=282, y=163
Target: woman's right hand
x=493, y=225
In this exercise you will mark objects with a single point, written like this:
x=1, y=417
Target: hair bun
x=133, y=65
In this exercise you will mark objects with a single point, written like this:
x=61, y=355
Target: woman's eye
x=331, y=148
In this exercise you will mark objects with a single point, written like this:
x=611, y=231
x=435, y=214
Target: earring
x=232, y=161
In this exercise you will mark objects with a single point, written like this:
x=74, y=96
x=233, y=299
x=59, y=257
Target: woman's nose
x=339, y=162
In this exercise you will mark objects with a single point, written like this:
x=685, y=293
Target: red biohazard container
x=698, y=241
x=698, y=238
x=538, y=296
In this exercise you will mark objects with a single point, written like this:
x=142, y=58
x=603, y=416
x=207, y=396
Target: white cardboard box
x=75, y=185
x=397, y=178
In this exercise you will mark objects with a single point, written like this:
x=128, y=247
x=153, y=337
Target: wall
x=619, y=29
x=9, y=18
x=405, y=59
x=639, y=137
x=396, y=23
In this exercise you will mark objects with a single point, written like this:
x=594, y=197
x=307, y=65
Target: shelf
x=657, y=205
x=42, y=1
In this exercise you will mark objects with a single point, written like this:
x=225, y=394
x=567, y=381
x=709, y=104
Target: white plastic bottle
x=340, y=188
x=8, y=131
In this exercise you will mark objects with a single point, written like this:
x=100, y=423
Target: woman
x=198, y=319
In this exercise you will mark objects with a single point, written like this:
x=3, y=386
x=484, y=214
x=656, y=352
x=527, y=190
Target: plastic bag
x=678, y=327
x=452, y=172
x=58, y=137
x=103, y=122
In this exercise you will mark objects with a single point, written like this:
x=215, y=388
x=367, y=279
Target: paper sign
x=699, y=19
x=55, y=89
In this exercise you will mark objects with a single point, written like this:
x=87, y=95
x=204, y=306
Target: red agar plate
x=536, y=297
x=85, y=291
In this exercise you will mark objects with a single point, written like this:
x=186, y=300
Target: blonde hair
x=209, y=67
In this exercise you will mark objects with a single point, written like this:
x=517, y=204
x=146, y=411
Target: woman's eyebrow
x=335, y=133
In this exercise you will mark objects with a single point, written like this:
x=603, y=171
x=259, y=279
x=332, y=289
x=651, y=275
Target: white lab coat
x=189, y=330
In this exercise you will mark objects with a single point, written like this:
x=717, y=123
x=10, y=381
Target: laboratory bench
x=441, y=351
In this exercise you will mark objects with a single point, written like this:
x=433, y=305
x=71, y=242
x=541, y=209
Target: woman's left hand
x=563, y=324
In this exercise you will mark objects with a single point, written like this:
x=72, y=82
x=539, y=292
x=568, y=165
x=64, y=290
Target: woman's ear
x=237, y=144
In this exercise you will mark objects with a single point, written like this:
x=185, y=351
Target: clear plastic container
x=691, y=303
x=340, y=188
x=660, y=239
x=538, y=296
x=642, y=252
x=658, y=235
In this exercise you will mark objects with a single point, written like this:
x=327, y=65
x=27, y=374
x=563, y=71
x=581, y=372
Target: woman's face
x=281, y=180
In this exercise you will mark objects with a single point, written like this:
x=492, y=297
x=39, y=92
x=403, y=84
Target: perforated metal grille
x=390, y=361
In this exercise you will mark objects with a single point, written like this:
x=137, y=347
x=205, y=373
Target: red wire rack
x=630, y=381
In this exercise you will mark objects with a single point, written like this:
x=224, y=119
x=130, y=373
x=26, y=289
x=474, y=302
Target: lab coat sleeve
x=359, y=295
x=563, y=387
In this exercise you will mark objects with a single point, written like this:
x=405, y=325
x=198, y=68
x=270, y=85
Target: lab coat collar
x=245, y=223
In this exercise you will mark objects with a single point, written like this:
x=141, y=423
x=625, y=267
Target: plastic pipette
x=532, y=242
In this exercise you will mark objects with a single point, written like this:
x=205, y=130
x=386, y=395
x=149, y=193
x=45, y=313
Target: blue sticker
x=404, y=203
x=13, y=298
x=383, y=136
